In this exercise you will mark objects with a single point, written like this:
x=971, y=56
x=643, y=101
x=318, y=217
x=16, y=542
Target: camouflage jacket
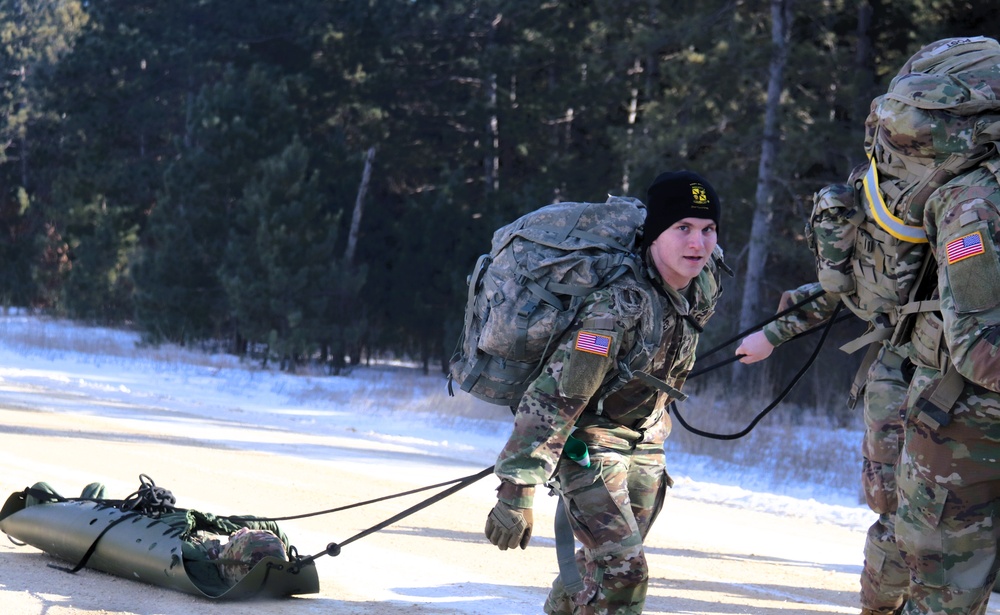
x=568, y=393
x=962, y=220
x=801, y=320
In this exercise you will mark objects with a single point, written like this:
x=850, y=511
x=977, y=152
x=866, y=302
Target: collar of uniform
x=676, y=298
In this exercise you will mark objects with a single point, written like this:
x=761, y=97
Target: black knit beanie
x=674, y=196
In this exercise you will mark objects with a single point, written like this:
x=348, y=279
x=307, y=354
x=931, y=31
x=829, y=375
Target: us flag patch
x=594, y=343
x=964, y=247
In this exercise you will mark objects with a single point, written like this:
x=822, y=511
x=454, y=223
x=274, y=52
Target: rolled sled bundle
x=159, y=551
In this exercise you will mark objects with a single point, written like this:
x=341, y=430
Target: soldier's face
x=682, y=251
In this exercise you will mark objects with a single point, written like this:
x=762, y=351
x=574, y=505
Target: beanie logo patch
x=699, y=196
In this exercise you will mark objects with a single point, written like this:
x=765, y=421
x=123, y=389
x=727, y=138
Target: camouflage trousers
x=884, y=578
x=611, y=505
x=949, y=490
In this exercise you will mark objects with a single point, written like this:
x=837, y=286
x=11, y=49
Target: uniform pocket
x=879, y=482
x=918, y=531
x=598, y=501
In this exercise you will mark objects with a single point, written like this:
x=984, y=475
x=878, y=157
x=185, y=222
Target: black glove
x=508, y=527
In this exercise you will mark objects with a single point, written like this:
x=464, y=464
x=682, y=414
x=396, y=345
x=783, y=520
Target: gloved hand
x=508, y=527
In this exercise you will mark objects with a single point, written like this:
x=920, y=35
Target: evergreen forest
x=311, y=181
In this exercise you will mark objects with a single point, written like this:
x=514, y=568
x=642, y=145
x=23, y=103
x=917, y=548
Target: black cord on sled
x=149, y=500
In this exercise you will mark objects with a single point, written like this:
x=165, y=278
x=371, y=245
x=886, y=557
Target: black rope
x=745, y=332
x=723, y=363
x=781, y=396
x=333, y=549
x=471, y=478
x=149, y=499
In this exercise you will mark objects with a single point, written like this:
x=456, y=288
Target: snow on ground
x=732, y=540
x=390, y=404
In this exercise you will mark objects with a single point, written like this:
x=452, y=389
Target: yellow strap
x=883, y=216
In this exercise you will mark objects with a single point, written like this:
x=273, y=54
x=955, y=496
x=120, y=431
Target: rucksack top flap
x=953, y=55
x=572, y=226
x=965, y=93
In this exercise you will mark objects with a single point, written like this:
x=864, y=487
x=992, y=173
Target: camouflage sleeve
x=804, y=318
x=964, y=225
x=549, y=408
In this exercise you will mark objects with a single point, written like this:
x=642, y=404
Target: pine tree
x=234, y=125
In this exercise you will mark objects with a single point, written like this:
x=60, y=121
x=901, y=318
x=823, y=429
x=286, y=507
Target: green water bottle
x=576, y=450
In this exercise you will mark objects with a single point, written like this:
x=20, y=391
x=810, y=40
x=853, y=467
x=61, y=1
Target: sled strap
x=93, y=546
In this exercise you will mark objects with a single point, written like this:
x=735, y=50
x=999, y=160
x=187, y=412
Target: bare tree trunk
x=352, y=237
x=864, y=59
x=633, y=114
x=491, y=161
x=760, y=230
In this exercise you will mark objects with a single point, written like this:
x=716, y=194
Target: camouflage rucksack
x=526, y=292
x=939, y=119
x=873, y=271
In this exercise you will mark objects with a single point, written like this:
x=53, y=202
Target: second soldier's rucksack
x=526, y=292
x=939, y=119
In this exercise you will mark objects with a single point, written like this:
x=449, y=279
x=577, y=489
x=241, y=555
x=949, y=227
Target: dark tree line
x=192, y=168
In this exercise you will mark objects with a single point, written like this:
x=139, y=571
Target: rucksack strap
x=569, y=571
x=915, y=307
x=594, y=237
x=626, y=374
x=882, y=215
x=861, y=376
x=482, y=264
x=934, y=404
x=660, y=385
x=872, y=336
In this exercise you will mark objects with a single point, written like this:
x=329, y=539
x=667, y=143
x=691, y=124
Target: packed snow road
x=705, y=558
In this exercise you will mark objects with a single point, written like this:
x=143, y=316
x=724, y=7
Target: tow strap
x=333, y=548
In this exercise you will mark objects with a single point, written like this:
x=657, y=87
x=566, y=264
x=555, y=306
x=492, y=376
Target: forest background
x=311, y=181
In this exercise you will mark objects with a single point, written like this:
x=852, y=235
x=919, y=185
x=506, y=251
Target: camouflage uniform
x=949, y=478
x=612, y=503
x=884, y=578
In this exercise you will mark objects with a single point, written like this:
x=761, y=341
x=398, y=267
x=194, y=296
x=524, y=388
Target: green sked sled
x=158, y=551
